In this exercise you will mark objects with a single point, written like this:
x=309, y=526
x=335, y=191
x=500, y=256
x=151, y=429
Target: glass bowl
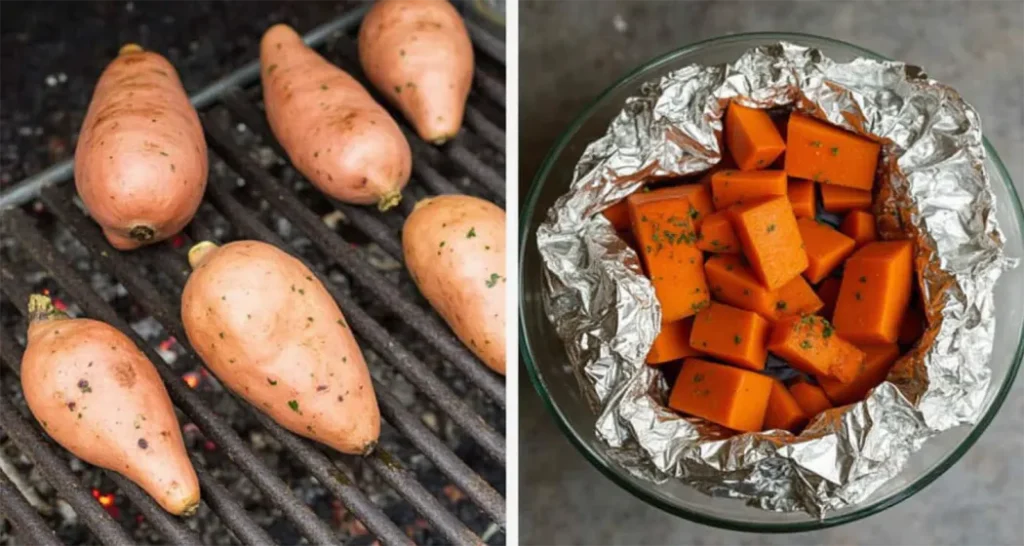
x=545, y=356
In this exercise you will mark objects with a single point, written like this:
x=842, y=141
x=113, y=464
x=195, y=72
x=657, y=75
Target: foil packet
x=935, y=190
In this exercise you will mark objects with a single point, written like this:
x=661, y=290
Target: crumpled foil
x=934, y=190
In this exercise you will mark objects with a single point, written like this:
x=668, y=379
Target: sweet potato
x=672, y=343
x=618, y=215
x=717, y=235
x=698, y=198
x=841, y=199
x=796, y=298
x=823, y=153
x=875, y=291
x=418, y=54
x=859, y=225
x=454, y=247
x=828, y=292
x=732, y=282
x=665, y=234
x=771, y=240
x=810, y=398
x=752, y=138
x=140, y=161
x=270, y=332
x=731, y=397
x=737, y=187
x=810, y=344
x=802, y=198
x=97, y=395
x=335, y=134
x=783, y=411
x=734, y=335
x=877, y=361
x=826, y=248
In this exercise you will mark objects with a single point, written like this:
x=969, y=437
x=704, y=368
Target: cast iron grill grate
x=356, y=252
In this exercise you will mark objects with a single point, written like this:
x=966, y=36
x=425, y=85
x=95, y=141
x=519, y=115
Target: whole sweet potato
x=97, y=395
x=418, y=54
x=334, y=132
x=271, y=333
x=140, y=161
x=454, y=247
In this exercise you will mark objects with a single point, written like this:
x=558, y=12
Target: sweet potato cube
x=796, y=297
x=823, y=153
x=734, y=335
x=737, y=187
x=810, y=344
x=734, y=398
x=731, y=281
x=699, y=197
x=618, y=215
x=875, y=292
x=859, y=225
x=717, y=235
x=841, y=199
x=783, y=412
x=771, y=240
x=828, y=292
x=752, y=138
x=672, y=343
x=801, y=198
x=667, y=239
x=878, y=360
x=810, y=398
x=826, y=248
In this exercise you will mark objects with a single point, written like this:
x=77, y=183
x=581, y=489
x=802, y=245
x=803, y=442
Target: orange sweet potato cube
x=823, y=153
x=810, y=344
x=783, y=412
x=752, y=138
x=810, y=398
x=801, y=197
x=771, y=240
x=717, y=235
x=618, y=215
x=731, y=281
x=734, y=335
x=878, y=360
x=665, y=234
x=859, y=225
x=729, y=396
x=828, y=292
x=841, y=199
x=826, y=248
x=875, y=292
x=672, y=343
x=737, y=187
x=795, y=298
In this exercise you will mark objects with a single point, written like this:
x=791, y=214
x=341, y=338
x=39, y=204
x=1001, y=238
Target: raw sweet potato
x=97, y=395
x=731, y=397
x=839, y=199
x=717, y=235
x=418, y=54
x=823, y=153
x=454, y=248
x=665, y=234
x=783, y=412
x=737, y=187
x=618, y=215
x=859, y=225
x=732, y=282
x=801, y=197
x=810, y=344
x=734, y=335
x=810, y=398
x=672, y=343
x=796, y=298
x=140, y=161
x=875, y=291
x=751, y=136
x=270, y=332
x=335, y=134
x=828, y=292
x=771, y=240
x=877, y=361
x=826, y=248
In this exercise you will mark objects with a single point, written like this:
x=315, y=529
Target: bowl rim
x=611, y=473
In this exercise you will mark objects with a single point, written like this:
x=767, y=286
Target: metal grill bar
x=24, y=518
x=486, y=42
x=491, y=87
x=490, y=132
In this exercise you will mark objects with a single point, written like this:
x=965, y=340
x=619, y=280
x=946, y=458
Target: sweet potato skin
x=335, y=134
x=140, y=160
x=418, y=54
x=269, y=330
x=98, y=396
x=454, y=247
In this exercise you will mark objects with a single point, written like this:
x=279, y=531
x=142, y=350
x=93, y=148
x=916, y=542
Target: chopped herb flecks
x=491, y=282
x=780, y=305
x=736, y=339
x=271, y=381
x=294, y=404
x=805, y=344
x=697, y=378
x=834, y=150
x=771, y=228
x=816, y=143
x=863, y=278
x=471, y=233
x=857, y=295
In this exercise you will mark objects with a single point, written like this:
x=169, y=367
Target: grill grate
x=470, y=164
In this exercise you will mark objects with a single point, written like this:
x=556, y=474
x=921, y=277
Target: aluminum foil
x=934, y=190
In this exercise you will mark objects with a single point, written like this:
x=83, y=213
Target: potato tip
x=389, y=200
x=40, y=308
x=127, y=49
x=199, y=253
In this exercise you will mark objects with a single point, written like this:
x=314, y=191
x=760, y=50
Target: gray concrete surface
x=570, y=51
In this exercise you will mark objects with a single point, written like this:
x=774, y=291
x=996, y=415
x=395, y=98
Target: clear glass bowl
x=545, y=357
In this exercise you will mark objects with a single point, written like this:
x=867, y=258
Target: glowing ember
x=106, y=500
x=178, y=241
x=168, y=343
x=46, y=291
x=209, y=445
x=59, y=304
x=191, y=379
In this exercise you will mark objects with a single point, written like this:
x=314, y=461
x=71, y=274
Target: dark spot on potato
x=143, y=443
x=165, y=433
x=124, y=374
x=321, y=388
x=83, y=386
x=71, y=406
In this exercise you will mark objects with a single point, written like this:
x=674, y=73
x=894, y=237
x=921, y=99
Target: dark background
x=571, y=51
